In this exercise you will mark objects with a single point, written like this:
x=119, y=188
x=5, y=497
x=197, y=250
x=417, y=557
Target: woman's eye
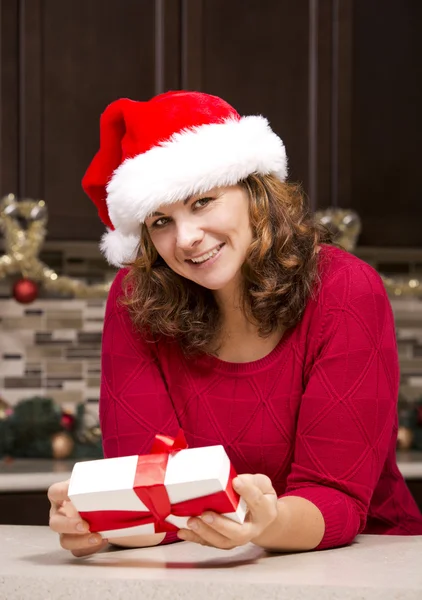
x=160, y=222
x=201, y=202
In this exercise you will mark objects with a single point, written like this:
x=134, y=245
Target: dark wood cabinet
x=62, y=63
x=339, y=80
x=259, y=57
x=386, y=127
x=9, y=96
x=24, y=508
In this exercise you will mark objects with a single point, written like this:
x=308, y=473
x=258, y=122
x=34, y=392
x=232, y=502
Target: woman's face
x=206, y=237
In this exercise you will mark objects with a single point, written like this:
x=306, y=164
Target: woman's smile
x=207, y=259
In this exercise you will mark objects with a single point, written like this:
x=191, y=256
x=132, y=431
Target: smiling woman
x=234, y=318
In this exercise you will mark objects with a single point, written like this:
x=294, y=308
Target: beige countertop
x=32, y=475
x=34, y=567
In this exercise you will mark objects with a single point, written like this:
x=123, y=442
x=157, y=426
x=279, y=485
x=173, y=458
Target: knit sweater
x=317, y=415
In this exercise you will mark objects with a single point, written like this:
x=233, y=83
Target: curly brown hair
x=279, y=274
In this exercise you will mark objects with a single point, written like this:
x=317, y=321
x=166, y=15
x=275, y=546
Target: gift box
x=155, y=493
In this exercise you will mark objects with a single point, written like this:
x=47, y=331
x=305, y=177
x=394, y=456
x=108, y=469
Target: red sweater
x=317, y=415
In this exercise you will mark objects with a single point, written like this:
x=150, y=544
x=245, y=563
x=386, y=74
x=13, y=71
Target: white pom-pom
x=118, y=248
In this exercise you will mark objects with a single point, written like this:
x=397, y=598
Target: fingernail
x=81, y=527
x=94, y=539
x=193, y=525
x=208, y=518
x=181, y=535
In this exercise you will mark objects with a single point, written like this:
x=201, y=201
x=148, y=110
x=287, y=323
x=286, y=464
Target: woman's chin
x=214, y=286
x=213, y=279
x=214, y=283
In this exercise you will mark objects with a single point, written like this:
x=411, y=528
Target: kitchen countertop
x=33, y=566
x=33, y=475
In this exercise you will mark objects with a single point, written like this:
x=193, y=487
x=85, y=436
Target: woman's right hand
x=65, y=520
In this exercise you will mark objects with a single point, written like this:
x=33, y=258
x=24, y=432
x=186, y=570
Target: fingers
x=79, y=553
x=259, y=495
x=60, y=523
x=66, y=521
x=58, y=493
x=189, y=536
x=90, y=541
x=259, y=481
x=218, y=531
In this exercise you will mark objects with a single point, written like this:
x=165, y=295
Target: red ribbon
x=151, y=471
x=150, y=489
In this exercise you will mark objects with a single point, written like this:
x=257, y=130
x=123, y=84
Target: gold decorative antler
x=23, y=245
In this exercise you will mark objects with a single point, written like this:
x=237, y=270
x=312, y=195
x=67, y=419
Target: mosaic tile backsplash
x=52, y=347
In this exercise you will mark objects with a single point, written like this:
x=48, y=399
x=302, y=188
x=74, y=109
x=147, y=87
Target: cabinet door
x=386, y=127
x=271, y=58
x=77, y=57
x=9, y=78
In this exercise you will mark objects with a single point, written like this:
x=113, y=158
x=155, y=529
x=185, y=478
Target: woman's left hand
x=215, y=530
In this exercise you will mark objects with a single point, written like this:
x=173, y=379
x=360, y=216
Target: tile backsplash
x=52, y=348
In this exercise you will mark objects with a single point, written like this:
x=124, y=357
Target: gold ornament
x=346, y=227
x=344, y=224
x=62, y=445
x=404, y=438
x=403, y=286
x=23, y=246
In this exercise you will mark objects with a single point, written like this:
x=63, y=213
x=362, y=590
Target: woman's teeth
x=206, y=256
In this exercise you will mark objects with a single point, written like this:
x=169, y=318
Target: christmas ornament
x=62, y=445
x=67, y=421
x=24, y=227
x=25, y=291
x=5, y=409
x=404, y=438
x=345, y=225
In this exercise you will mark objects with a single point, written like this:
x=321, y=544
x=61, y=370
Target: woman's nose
x=188, y=235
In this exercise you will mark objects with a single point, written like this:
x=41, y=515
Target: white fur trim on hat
x=192, y=162
x=119, y=248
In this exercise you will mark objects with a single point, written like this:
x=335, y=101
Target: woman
x=237, y=322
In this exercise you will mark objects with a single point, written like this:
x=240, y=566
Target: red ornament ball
x=25, y=291
x=67, y=421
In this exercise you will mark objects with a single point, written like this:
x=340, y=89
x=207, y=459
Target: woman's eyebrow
x=160, y=214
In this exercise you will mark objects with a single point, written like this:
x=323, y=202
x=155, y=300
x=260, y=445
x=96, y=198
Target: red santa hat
x=158, y=152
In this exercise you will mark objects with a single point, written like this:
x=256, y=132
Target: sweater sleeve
x=134, y=402
x=348, y=409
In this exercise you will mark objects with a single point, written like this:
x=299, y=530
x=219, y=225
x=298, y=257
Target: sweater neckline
x=247, y=367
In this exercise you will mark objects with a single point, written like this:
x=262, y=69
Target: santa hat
x=176, y=145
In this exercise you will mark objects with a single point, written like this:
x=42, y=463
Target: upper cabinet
x=273, y=58
x=62, y=64
x=386, y=138
x=339, y=81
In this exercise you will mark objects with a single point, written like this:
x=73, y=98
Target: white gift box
x=104, y=491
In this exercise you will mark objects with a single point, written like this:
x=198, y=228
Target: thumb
x=58, y=493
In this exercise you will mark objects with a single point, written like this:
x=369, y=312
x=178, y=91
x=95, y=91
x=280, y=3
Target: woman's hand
x=66, y=521
x=215, y=530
